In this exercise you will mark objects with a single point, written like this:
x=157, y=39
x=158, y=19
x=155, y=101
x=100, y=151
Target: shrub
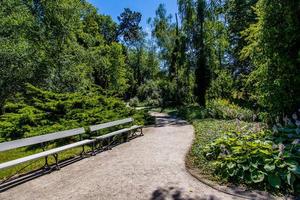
x=149, y=90
x=222, y=86
x=223, y=109
x=259, y=156
x=40, y=112
x=134, y=102
x=193, y=112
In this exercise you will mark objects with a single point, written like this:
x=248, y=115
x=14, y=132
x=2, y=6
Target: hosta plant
x=270, y=158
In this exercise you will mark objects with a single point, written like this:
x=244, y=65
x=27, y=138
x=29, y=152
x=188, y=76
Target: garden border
x=194, y=172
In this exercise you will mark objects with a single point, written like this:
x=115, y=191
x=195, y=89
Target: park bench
x=125, y=132
x=42, y=140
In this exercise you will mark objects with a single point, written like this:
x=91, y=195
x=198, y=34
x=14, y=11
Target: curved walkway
x=150, y=167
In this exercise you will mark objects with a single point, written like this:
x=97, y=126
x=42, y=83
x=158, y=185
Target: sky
x=147, y=7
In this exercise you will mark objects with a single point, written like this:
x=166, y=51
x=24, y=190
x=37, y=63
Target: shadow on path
x=161, y=121
x=173, y=193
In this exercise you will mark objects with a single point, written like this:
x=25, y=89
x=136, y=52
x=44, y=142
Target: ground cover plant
x=230, y=150
x=252, y=156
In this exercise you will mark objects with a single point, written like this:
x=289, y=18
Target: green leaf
x=295, y=170
x=269, y=167
x=245, y=167
x=293, y=166
x=274, y=181
x=257, y=176
x=255, y=165
x=290, y=179
x=231, y=165
x=232, y=171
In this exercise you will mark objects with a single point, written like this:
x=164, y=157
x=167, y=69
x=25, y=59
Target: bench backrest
x=110, y=124
x=40, y=139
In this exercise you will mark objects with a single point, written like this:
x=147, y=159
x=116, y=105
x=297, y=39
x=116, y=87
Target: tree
x=273, y=45
x=20, y=57
x=193, y=16
x=172, y=49
x=239, y=15
x=129, y=29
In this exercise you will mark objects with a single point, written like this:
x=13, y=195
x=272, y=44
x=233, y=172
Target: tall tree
x=129, y=28
x=202, y=70
x=239, y=14
x=193, y=16
x=274, y=50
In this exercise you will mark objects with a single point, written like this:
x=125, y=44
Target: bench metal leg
x=94, y=148
x=56, y=161
x=109, y=143
x=83, y=151
x=142, y=134
x=127, y=135
x=46, y=165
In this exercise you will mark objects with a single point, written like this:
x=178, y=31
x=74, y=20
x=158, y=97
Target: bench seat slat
x=135, y=127
x=110, y=124
x=117, y=132
x=111, y=134
x=43, y=154
x=39, y=139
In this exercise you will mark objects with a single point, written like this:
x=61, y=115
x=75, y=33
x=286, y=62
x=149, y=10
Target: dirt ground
x=150, y=167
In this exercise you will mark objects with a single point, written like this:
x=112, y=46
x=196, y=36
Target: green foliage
x=134, y=102
x=223, y=109
x=252, y=155
x=150, y=93
x=222, y=86
x=40, y=112
x=273, y=47
x=64, y=46
x=218, y=109
x=144, y=64
x=129, y=27
x=206, y=131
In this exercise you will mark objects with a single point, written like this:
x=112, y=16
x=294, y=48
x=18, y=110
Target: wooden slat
x=112, y=134
x=43, y=154
x=39, y=139
x=110, y=124
x=135, y=127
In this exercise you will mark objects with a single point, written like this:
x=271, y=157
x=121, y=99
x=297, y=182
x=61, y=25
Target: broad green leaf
x=269, y=167
x=290, y=179
x=295, y=169
x=257, y=176
x=245, y=167
x=231, y=165
x=274, y=181
x=255, y=165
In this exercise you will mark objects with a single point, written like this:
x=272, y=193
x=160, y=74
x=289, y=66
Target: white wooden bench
x=127, y=132
x=43, y=139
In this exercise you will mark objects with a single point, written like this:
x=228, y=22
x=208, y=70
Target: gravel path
x=150, y=167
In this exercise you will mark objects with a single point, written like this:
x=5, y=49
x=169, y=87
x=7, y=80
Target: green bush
x=252, y=156
x=134, y=102
x=222, y=86
x=150, y=93
x=223, y=109
x=193, y=112
x=40, y=112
